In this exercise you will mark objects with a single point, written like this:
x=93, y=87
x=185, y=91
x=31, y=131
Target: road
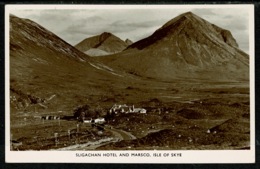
x=89, y=145
x=118, y=136
x=121, y=134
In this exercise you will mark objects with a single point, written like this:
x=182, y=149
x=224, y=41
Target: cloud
x=204, y=12
x=134, y=25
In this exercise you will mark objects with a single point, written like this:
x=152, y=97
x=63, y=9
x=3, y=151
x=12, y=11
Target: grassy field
x=190, y=116
x=38, y=134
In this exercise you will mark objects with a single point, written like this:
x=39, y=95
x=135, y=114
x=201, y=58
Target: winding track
x=119, y=134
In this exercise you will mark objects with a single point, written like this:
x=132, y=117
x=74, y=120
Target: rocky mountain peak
x=103, y=36
x=190, y=15
x=103, y=44
x=182, y=19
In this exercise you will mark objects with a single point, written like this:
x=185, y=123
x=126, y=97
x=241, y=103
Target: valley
x=186, y=87
x=178, y=119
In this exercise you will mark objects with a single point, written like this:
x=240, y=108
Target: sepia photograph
x=120, y=82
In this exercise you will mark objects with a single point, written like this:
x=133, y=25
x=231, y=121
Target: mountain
x=103, y=44
x=185, y=47
x=43, y=65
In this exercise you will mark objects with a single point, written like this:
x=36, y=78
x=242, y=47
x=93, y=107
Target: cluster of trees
x=85, y=111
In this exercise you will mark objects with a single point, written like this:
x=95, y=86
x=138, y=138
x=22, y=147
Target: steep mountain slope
x=103, y=44
x=43, y=65
x=185, y=47
x=31, y=44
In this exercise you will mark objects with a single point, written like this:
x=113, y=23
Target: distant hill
x=103, y=44
x=185, y=47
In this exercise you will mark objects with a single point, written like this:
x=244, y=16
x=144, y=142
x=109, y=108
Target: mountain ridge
x=188, y=18
x=23, y=25
x=185, y=47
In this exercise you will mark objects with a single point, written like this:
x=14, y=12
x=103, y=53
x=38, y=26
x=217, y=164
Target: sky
x=134, y=23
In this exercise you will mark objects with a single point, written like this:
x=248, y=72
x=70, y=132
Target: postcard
x=129, y=84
